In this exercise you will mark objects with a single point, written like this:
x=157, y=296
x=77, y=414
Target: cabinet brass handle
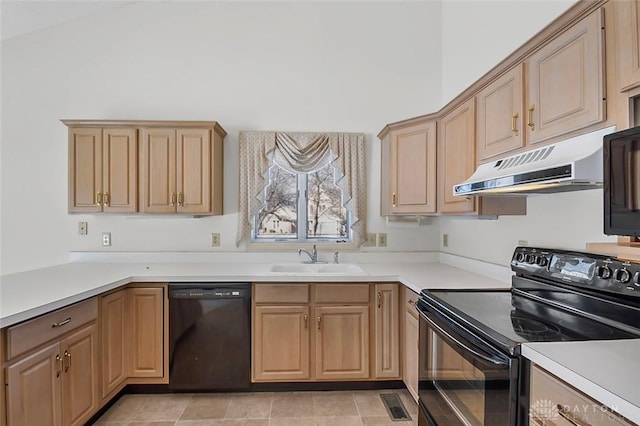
x=379, y=299
x=411, y=302
x=105, y=199
x=319, y=319
x=59, y=361
x=530, y=117
x=61, y=323
x=514, y=127
x=180, y=199
x=98, y=198
x=67, y=356
x=173, y=199
x=393, y=199
x=566, y=414
x=306, y=321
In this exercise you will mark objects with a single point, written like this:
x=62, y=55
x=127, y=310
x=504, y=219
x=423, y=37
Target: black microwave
x=621, y=153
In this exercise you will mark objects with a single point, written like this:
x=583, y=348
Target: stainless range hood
x=571, y=165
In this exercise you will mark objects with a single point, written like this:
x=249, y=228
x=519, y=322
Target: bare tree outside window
x=327, y=217
x=318, y=212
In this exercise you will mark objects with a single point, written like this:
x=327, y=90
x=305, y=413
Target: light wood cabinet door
x=120, y=170
x=85, y=170
x=145, y=322
x=456, y=158
x=80, y=376
x=281, y=343
x=113, y=342
x=34, y=389
x=565, y=89
x=500, y=115
x=341, y=342
x=410, y=360
x=387, y=331
x=627, y=25
x=412, y=169
x=193, y=170
x=157, y=168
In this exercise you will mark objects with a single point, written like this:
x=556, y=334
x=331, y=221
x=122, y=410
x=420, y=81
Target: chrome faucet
x=313, y=255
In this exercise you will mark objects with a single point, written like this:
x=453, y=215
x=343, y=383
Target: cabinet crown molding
x=145, y=123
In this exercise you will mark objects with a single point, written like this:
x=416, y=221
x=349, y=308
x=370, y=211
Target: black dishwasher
x=209, y=336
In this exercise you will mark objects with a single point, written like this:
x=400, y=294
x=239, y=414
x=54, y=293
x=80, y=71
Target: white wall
x=478, y=34
x=326, y=66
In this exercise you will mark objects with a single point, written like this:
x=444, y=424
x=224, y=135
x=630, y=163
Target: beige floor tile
x=292, y=421
x=224, y=422
x=338, y=421
x=250, y=406
x=334, y=404
x=384, y=421
x=123, y=409
x=369, y=403
x=206, y=407
x=162, y=407
x=292, y=404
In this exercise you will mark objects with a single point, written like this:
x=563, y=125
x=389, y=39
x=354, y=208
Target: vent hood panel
x=570, y=165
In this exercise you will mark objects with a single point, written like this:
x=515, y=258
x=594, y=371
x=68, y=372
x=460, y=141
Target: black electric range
x=473, y=337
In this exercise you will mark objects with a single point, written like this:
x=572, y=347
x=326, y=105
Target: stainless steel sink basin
x=316, y=269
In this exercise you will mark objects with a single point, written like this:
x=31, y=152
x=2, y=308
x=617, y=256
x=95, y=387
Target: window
x=315, y=213
x=297, y=187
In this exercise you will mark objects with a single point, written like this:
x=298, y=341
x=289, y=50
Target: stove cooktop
x=509, y=319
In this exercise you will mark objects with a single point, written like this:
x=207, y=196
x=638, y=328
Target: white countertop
x=28, y=294
x=607, y=371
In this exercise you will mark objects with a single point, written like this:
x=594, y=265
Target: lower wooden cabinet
x=146, y=325
x=316, y=332
x=113, y=342
x=342, y=342
x=553, y=402
x=57, y=385
x=281, y=343
x=410, y=343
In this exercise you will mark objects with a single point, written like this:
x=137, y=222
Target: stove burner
x=532, y=329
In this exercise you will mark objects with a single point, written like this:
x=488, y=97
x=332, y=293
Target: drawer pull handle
x=61, y=323
x=379, y=299
x=173, y=199
x=566, y=414
x=306, y=321
x=99, y=198
x=411, y=302
x=105, y=199
x=67, y=356
x=319, y=320
x=514, y=127
x=530, y=122
x=180, y=199
x=393, y=199
x=59, y=362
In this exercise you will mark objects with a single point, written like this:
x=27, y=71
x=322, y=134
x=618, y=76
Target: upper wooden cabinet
x=565, y=82
x=456, y=157
x=408, y=184
x=564, y=91
x=145, y=166
x=627, y=25
x=102, y=170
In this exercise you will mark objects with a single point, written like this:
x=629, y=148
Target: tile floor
x=331, y=408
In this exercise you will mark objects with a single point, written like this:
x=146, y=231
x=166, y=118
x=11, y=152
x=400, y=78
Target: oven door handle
x=459, y=343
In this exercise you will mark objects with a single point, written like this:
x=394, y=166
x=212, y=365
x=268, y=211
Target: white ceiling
x=18, y=17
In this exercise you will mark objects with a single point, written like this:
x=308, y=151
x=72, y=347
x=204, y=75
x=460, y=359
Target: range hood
x=571, y=165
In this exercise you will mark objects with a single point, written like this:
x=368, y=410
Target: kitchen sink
x=317, y=268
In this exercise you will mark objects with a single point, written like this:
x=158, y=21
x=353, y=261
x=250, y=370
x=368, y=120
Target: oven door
x=463, y=380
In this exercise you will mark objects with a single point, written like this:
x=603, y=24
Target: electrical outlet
x=82, y=228
x=106, y=239
x=215, y=240
x=445, y=240
x=370, y=241
x=523, y=243
x=382, y=239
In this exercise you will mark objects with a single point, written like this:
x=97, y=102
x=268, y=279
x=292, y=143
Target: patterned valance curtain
x=302, y=152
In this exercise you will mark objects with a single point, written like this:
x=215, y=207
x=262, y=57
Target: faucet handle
x=335, y=257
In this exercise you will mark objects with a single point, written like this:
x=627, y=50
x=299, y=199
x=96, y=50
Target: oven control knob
x=541, y=261
x=530, y=259
x=622, y=275
x=604, y=272
x=636, y=279
x=520, y=257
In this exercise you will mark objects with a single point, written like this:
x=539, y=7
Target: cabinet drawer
x=409, y=300
x=30, y=334
x=342, y=293
x=281, y=293
x=552, y=399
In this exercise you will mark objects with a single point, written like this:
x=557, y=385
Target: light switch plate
x=370, y=241
x=382, y=239
x=82, y=228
